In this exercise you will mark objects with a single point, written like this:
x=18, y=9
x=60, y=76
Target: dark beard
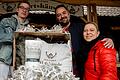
x=64, y=24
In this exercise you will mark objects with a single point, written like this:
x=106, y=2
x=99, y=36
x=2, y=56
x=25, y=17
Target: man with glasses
x=16, y=22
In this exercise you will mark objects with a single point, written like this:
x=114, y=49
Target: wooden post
x=14, y=51
x=92, y=13
x=89, y=13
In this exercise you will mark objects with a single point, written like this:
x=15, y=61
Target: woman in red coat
x=101, y=61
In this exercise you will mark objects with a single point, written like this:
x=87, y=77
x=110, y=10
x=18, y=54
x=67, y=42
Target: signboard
x=42, y=5
x=39, y=52
x=47, y=5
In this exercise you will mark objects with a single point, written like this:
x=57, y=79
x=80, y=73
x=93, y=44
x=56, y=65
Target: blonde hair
x=95, y=24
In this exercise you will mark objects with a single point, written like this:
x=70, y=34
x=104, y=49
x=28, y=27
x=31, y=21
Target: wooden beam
x=115, y=27
x=74, y=2
x=10, y=1
x=97, y=2
x=81, y=2
x=111, y=3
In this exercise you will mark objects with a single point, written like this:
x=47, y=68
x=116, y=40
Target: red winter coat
x=101, y=63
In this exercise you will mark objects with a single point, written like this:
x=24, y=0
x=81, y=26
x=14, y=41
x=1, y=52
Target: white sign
x=57, y=55
x=47, y=5
x=44, y=5
x=38, y=51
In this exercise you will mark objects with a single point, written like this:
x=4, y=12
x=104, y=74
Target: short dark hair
x=61, y=5
x=22, y=2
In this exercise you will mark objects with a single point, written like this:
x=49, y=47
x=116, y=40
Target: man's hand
x=108, y=43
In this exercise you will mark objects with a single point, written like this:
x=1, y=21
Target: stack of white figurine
x=45, y=72
x=32, y=28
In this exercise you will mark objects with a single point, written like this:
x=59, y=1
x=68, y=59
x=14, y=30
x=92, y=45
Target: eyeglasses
x=23, y=8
